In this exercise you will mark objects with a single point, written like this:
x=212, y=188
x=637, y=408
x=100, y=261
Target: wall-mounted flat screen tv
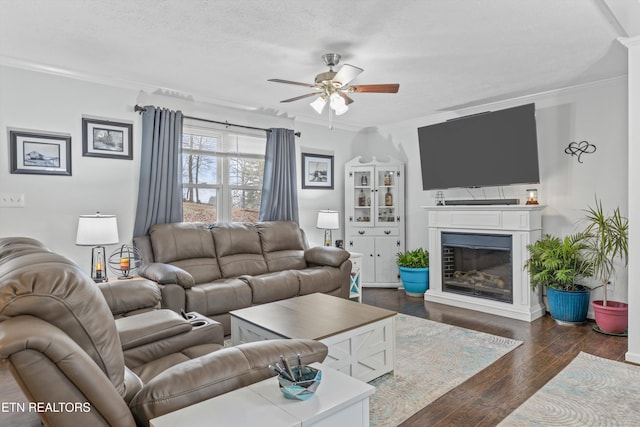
x=495, y=148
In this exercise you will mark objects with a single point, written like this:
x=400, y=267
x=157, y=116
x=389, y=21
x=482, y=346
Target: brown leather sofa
x=214, y=269
x=66, y=351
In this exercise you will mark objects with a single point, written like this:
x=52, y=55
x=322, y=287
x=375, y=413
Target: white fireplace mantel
x=522, y=222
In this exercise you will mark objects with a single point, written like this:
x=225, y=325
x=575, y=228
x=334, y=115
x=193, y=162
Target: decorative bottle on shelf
x=364, y=180
x=388, y=198
x=361, y=198
x=387, y=179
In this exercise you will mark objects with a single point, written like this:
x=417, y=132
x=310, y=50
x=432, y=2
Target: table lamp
x=328, y=220
x=97, y=230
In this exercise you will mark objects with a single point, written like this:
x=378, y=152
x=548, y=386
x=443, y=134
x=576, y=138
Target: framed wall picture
x=317, y=171
x=103, y=138
x=40, y=153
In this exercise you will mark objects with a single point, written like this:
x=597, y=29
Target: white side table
x=355, y=280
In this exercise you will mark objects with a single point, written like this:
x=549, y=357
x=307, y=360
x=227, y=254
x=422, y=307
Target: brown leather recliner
x=60, y=341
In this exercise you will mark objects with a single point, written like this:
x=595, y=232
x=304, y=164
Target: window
x=221, y=174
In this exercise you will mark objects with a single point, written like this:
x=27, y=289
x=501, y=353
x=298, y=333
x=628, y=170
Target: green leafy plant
x=606, y=239
x=417, y=258
x=558, y=263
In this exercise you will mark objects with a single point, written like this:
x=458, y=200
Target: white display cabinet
x=374, y=218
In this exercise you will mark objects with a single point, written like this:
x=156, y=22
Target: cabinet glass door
x=387, y=180
x=364, y=186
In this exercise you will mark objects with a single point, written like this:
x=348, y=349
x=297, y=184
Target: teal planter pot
x=568, y=307
x=414, y=280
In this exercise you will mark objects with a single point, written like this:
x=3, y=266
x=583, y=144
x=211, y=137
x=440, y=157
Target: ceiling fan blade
x=381, y=88
x=289, y=82
x=301, y=97
x=346, y=74
x=346, y=98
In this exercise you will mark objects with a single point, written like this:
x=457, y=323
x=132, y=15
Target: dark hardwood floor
x=483, y=400
x=488, y=397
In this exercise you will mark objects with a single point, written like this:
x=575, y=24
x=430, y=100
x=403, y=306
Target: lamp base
x=327, y=237
x=99, y=265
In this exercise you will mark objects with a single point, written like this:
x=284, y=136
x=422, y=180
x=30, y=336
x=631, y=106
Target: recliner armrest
x=216, y=373
x=326, y=255
x=167, y=274
x=149, y=327
x=127, y=296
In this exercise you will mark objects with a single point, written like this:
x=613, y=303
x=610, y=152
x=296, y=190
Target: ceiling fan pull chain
x=330, y=119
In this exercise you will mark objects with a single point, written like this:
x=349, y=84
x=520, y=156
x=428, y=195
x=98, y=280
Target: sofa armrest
x=326, y=255
x=216, y=373
x=166, y=274
x=127, y=297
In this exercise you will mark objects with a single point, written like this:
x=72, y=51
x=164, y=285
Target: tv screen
x=488, y=149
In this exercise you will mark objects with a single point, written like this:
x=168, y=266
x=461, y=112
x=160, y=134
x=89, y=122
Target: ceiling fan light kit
x=333, y=86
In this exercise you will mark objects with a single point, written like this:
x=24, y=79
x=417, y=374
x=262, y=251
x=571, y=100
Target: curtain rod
x=140, y=109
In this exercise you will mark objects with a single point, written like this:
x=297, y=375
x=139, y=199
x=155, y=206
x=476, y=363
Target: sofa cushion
x=218, y=297
x=319, y=279
x=273, y=286
x=282, y=245
x=239, y=249
x=183, y=240
x=201, y=269
x=188, y=246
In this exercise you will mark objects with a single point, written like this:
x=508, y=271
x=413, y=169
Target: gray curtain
x=160, y=188
x=279, y=191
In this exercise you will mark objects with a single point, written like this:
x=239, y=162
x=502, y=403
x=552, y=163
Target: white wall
x=318, y=139
x=633, y=352
x=42, y=102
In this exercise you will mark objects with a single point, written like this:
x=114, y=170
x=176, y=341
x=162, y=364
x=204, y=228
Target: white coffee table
x=339, y=401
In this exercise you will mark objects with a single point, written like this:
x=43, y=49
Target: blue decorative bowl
x=305, y=387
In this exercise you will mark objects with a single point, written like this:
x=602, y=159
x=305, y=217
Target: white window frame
x=223, y=187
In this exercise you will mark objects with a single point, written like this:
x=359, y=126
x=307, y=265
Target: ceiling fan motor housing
x=325, y=78
x=331, y=59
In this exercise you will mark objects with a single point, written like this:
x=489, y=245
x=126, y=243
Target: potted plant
x=414, y=271
x=558, y=265
x=607, y=240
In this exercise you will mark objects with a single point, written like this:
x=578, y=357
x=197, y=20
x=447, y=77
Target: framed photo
x=317, y=171
x=39, y=153
x=103, y=138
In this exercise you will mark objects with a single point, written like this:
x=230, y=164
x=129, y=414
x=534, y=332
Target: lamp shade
x=338, y=104
x=328, y=220
x=97, y=230
x=319, y=104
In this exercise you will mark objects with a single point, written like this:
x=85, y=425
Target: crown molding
x=629, y=42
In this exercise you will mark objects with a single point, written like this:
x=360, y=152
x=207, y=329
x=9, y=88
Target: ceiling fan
x=333, y=86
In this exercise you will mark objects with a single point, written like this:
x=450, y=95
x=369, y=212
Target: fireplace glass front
x=478, y=265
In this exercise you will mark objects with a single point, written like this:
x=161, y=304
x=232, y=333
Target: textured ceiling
x=445, y=54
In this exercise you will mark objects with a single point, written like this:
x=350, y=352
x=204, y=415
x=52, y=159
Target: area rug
x=431, y=359
x=589, y=391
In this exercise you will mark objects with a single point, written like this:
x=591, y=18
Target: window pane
x=245, y=205
x=199, y=169
x=199, y=142
x=246, y=172
x=221, y=174
x=203, y=211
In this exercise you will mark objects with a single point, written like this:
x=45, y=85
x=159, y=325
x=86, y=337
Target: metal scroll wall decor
x=580, y=148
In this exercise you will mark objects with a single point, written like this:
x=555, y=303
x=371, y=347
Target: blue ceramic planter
x=414, y=280
x=568, y=307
